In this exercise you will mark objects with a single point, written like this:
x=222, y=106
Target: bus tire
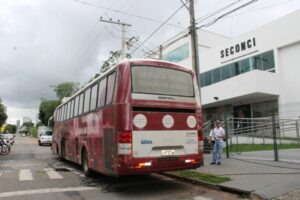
x=85, y=165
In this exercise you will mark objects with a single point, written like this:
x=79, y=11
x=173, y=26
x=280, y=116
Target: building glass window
x=257, y=62
x=264, y=61
x=201, y=80
x=226, y=72
x=178, y=54
x=245, y=65
x=235, y=69
x=216, y=75
x=207, y=80
x=268, y=60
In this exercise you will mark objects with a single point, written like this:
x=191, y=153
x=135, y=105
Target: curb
x=237, y=191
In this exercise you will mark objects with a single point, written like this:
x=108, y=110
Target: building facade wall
x=289, y=100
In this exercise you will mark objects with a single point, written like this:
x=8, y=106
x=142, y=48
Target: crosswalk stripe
x=52, y=174
x=25, y=175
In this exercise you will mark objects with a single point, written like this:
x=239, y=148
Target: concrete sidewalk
x=266, y=179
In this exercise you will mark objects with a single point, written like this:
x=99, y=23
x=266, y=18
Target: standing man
x=217, y=135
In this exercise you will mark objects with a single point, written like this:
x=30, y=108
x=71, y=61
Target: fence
x=268, y=138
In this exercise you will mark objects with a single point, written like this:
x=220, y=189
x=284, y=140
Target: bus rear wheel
x=85, y=165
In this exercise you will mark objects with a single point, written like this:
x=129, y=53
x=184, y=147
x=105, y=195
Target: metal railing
x=254, y=134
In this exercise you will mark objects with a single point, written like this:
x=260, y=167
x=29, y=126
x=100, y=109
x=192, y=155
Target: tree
x=65, y=89
x=3, y=115
x=46, y=109
x=113, y=59
x=10, y=128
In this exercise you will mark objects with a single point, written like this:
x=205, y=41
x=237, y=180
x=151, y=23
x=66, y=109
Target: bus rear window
x=162, y=81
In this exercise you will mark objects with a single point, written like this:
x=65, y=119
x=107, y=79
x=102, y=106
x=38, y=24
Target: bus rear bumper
x=130, y=166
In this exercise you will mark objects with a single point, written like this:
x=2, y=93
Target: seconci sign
x=245, y=45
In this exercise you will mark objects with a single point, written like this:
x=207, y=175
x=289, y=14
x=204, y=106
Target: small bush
x=33, y=132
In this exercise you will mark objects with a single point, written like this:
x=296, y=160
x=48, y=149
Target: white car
x=44, y=135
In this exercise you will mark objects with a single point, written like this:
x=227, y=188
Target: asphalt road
x=31, y=172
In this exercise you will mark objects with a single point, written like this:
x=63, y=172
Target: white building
x=254, y=75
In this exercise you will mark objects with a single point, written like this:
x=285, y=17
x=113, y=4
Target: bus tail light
x=200, y=140
x=145, y=164
x=190, y=161
x=124, y=143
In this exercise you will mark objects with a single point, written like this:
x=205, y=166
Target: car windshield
x=47, y=133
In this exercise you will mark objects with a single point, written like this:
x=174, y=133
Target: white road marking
x=25, y=175
x=53, y=174
x=19, y=165
x=43, y=191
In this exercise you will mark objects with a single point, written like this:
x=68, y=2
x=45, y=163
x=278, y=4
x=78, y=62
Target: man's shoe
x=212, y=163
x=219, y=163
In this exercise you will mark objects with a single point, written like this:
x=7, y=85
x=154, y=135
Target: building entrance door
x=241, y=115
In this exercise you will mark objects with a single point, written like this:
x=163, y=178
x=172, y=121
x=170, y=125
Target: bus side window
x=72, y=109
x=68, y=109
x=110, y=88
x=65, y=111
x=76, y=106
x=94, y=97
x=80, y=104
x=87, y=96
x=101, y=93
x=59, y=114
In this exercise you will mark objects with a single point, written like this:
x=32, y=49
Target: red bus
x=141, y=116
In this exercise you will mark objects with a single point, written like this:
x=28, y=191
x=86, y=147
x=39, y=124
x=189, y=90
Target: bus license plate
x=167, y=152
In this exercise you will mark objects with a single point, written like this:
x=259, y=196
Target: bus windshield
x=161, y=81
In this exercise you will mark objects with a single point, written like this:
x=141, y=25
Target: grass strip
x=193, y=174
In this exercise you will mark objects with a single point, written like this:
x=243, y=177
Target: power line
x=208, y=24
x=260, y=8
x=217, y=11
x=125, y=13
x=225, y=14
x=159, y=27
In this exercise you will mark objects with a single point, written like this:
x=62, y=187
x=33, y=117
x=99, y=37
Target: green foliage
x=46, y=109
x=193, y=174
x=3, y=115
x=10, y=128
x=113, y=59
x=33, y=131
x=65, y=89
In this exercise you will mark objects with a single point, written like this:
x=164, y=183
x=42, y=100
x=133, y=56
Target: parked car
x=44, y=135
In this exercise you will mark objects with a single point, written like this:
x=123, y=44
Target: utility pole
x=124, y=25
x=194, y=41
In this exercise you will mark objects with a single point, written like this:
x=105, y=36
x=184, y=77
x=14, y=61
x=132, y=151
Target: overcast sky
x=46, y=42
